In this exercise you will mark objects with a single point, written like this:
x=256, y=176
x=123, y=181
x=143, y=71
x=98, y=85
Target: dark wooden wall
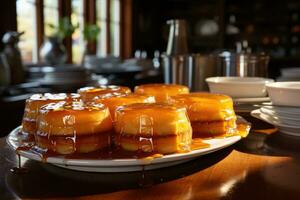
x=8, y=17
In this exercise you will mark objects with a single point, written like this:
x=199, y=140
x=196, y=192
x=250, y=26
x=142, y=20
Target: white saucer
x=289, y=131
x=122, y=165
x=281, y=118
x=284, y=128
x=284, y=109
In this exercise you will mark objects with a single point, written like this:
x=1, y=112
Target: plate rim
x=271, y=112
x=124, y=162
x=281, y=109
x=257, y=114
x=251, y=99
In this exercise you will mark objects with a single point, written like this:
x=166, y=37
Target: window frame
x=90, y=16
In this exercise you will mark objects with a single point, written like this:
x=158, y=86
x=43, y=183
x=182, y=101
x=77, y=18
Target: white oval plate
x=122, y=165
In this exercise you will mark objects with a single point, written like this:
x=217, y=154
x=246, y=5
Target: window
x=26, y=21
x=77, y=37
x=108, y=19
x=101, y=21
x=51, y=15
x=115, y=27
x=34, y=17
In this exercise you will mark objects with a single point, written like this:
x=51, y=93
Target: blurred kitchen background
x=61, y=45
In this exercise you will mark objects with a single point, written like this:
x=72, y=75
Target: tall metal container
x=177, y=42
x=190, y=70
x=199, y=68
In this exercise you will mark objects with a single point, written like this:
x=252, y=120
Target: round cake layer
x=73, y=118
x=159, y=144
x=36, y=101
x=29, y=126
x=206, y=106
x=214, y=128
x=151, y=119
x=112, y=101
x=78, y=144
x=161, y=92
x=89, y=93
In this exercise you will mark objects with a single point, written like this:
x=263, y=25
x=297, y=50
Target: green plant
x=91, y=32
x=64, y=29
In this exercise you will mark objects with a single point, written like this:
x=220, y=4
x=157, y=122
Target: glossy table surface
x=265, y=165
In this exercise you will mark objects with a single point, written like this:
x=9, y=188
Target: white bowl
x=284, y=93
x=293, y=72
x=239, y=87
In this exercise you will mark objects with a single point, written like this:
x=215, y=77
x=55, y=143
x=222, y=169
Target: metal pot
x=192, y=69
x=242, y=64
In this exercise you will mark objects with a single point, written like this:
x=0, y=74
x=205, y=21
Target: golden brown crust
x=73, y=118
x=214, y=128
x=89, y=93
x=160, y=144
x=151, y=119
x=156, y=127
x=161, y=92
x=69, y=145
x=206, y=106
x=36, y=101
x=29, y=126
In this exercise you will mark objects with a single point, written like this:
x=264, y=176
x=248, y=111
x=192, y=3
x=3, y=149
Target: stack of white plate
x=246, y=105
x=284, y=112
x=286, y=119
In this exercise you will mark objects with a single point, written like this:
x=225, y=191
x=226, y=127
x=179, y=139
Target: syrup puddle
x=19, y=169
x=27, y=143
x=144, y=180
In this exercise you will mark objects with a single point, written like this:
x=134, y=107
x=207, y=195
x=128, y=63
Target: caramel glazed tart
x=210, y=114
x=156, y=127
x=35, y=102
x=69, y=127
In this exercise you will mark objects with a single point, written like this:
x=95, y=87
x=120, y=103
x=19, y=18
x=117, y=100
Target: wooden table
x=254, y=168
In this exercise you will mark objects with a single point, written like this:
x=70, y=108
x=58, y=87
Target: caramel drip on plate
x=197, y=143
x=114, y=152
x=19, y=169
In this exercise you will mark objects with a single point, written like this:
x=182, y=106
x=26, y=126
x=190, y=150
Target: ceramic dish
x=284, y=93
x=239, y=87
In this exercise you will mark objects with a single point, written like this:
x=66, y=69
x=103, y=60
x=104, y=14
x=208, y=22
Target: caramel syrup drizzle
x=115, y=151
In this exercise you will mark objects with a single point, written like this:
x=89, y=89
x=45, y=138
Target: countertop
x=265, y=165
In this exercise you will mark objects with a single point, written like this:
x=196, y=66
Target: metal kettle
x=13, y=56
x=4, y=72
